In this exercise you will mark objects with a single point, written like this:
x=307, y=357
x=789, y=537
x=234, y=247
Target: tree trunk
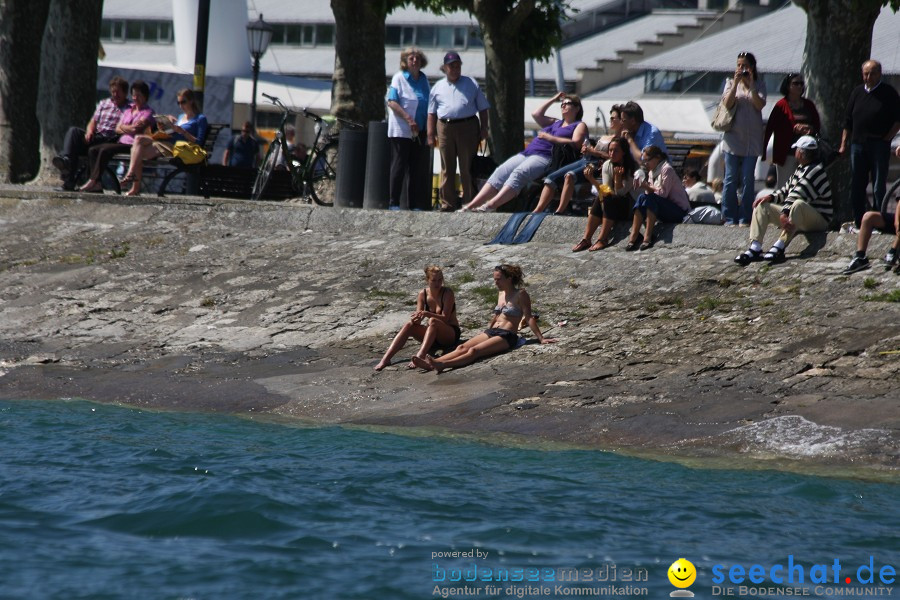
x=504, y=73
x=504, y=86
x=68, y=81
x=833, y=58
x=358, y=84
x=21, y=30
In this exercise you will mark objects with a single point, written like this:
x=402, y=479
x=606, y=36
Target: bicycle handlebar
x=310, y=115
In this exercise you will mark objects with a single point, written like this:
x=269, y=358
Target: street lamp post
x=259, y=34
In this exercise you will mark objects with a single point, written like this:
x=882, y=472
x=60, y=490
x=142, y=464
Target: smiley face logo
x=682, y=573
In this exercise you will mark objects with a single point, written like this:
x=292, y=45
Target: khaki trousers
x=457, y=142
x=801, y=214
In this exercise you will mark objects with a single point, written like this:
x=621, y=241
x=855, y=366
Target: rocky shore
x=281, y=310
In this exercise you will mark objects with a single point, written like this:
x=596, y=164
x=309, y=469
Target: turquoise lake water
x=100, y=501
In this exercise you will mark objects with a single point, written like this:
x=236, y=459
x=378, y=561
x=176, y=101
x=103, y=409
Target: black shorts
x=888, y=223
x=511, y=337
x=617, y=208
x=451, y=346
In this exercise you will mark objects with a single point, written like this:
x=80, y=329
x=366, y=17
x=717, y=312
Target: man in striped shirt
x=802, y=205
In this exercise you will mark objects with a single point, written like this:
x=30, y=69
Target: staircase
x=609, y=71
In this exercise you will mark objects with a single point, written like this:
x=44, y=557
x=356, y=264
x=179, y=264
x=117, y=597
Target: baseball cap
x=451, y=57
x=806, y=142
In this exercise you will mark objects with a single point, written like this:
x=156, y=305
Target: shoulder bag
x=723, y=119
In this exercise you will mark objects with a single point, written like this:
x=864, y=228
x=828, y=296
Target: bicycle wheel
x=265, y=171
x=322, y=185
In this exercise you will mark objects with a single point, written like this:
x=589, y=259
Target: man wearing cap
x=873, y=119
x=454, y=127
x=802, y=205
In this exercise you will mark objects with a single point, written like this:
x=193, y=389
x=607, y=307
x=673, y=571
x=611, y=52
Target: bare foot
x=426, y=363
x=381, y=365
x=411, y=365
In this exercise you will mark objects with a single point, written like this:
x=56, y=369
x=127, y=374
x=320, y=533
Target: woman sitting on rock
x=521, y=169
x=437, y=304
x=614, y=196
x=513, y=306
x=663, y=199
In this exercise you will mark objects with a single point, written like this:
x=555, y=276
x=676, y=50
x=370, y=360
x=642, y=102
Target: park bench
x=171, y=167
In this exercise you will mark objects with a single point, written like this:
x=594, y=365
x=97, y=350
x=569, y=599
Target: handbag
x=723, y=119
x=482, y=166
x=188, y=153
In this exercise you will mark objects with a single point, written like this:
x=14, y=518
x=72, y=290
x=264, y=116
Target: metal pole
x=200, y=51
x=253, y=102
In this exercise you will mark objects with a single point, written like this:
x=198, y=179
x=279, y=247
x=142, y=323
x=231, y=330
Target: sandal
x=135, y=189
x=646, y=245
x=584, y=244
x=126, y=179
x=91, y=188
x=599, y=245
x=632, y=246
x=747, y=256
x=774, y=256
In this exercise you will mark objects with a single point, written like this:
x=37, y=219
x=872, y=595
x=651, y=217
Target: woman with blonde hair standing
x=407, y=102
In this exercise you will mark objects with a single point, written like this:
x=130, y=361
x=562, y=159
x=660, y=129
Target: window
x=165, y=32
x=425, y=36
x=324, y=35
x=293, y=34
x=459, y=37
x=278, y=34
x=133, y=31
x=309, y=35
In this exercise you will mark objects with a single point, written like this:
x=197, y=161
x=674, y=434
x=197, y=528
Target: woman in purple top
x=519, y=170
x=135, y=119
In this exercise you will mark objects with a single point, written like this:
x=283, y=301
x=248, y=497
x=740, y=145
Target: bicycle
x=313, y=176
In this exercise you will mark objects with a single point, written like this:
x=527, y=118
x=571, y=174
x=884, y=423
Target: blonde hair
x=409, y=51
x=431, y=270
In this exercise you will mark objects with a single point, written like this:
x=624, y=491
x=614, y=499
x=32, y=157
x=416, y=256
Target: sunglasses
x=567, y=103
x=501, y=268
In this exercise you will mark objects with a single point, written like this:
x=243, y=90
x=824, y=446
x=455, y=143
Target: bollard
x=421, y=189
x=350, y=183
x=378, y=167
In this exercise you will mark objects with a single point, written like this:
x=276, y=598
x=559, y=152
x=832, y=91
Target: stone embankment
x=283, y=309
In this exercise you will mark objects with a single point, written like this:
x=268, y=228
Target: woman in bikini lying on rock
x=513, y=306
x=436, y=303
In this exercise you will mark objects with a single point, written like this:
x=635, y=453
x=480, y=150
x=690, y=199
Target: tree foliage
x=513, y=31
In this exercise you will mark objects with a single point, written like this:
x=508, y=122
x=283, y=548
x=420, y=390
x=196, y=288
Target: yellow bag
x=188, y=153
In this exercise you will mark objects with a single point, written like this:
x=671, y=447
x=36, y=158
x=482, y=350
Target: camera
x=745, y=73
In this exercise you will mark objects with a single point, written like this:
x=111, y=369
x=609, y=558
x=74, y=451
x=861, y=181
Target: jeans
x=556, y=178
x=871, y=156
x=739, y=173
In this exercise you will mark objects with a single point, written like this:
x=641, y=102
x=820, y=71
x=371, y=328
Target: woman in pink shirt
x=663, y=199
x=135, y=119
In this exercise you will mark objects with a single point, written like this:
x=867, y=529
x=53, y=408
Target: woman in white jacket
x=407, y=101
